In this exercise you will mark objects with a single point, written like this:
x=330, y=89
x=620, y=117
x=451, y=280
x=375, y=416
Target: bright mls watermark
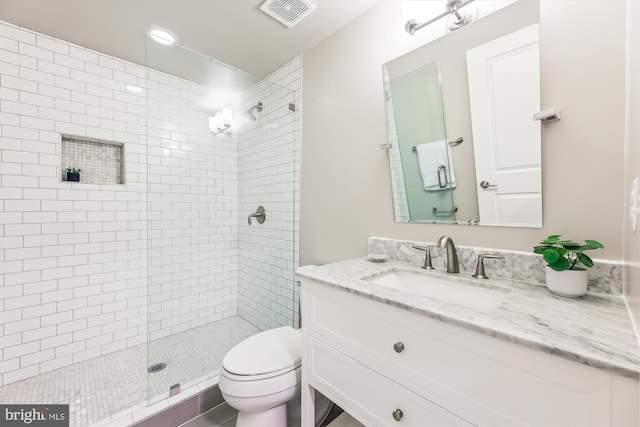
x=34, y=415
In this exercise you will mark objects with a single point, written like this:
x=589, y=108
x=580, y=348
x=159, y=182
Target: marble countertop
x=593, y=330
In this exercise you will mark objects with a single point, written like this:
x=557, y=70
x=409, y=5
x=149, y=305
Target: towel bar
x=452, y=143
x=451, y=212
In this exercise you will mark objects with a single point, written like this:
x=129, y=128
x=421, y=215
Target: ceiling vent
x=288, y=12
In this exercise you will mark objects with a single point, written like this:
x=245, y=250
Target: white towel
x=431, y=156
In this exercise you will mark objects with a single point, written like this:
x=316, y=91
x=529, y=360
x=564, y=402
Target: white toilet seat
x=276, y=369
x=274, y=350
x=264, y=386
x=240, y=377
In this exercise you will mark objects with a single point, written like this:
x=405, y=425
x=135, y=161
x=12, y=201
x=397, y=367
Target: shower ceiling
x=235, y=32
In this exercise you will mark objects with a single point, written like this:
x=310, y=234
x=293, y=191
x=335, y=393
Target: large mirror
x=463, y=145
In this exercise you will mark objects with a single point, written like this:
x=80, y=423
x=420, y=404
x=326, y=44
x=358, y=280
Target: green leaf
x=540, y=249
x=572, y=246
x=560, y=265
x=594, y=244
x=551, y=255
x=551, y=239
x=585, y=260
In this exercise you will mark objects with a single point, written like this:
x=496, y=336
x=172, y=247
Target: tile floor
x=99, y=388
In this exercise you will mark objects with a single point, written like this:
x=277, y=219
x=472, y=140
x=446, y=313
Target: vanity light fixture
x=456, y=17
x=162, y=35
x=221, y=121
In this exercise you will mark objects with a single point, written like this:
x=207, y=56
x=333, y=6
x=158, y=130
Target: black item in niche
x=73, y=174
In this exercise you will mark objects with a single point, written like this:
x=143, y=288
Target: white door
x=504, y=93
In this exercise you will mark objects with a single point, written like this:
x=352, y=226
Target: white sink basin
x=480, y=297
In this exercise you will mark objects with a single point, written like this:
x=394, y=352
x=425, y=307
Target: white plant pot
x=567, y=283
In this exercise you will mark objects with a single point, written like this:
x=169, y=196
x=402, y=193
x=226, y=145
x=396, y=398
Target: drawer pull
x=397, y=415
x=398, y=347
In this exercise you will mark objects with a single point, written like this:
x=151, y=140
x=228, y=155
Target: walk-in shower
x=116, y=290
x=212, y=279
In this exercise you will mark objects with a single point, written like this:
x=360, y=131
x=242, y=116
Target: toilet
x=261, y=379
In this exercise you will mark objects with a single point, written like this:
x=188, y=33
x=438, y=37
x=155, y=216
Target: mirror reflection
x=463, y=145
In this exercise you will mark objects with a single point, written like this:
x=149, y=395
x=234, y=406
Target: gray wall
x=632, y=154
x=345, y=187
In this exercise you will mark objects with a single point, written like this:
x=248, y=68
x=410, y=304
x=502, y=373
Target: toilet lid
x=266, y=352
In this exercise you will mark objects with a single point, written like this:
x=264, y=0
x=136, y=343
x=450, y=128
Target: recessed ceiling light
x=162, y=35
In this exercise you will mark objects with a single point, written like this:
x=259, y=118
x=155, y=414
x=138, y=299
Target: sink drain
x=156, y=368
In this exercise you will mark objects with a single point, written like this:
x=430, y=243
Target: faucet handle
x=480, y=265
x=427, y=259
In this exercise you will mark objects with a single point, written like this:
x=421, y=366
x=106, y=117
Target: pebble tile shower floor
x=101, y=387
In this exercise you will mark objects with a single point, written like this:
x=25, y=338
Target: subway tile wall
x=193, y=200
x=75, y=258
x=268, y=164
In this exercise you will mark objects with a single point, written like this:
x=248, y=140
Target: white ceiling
x=235, y=32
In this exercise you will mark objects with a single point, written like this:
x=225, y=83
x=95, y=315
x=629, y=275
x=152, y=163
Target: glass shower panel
x=213, y=279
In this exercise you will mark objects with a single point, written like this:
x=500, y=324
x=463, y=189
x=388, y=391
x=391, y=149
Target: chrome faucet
x=452, y=256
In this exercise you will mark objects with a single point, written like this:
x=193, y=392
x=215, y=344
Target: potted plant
x=73, y=174
x=564, y=276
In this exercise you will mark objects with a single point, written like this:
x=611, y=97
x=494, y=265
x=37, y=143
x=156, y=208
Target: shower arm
x=258, y=107
x=412, y=25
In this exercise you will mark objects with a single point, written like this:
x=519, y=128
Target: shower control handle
x=260, y=215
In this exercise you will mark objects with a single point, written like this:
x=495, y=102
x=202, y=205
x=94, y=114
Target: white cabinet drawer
x=367, y=336
x=485, y=380
x=368, y=395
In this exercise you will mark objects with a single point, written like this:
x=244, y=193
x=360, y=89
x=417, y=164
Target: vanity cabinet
x=388, y=366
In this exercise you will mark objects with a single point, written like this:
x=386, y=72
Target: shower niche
x=99, y=162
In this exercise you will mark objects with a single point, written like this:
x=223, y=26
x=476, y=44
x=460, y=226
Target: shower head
x=258, y=108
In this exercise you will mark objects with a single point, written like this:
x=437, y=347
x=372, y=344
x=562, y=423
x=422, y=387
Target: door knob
x=485, y=184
